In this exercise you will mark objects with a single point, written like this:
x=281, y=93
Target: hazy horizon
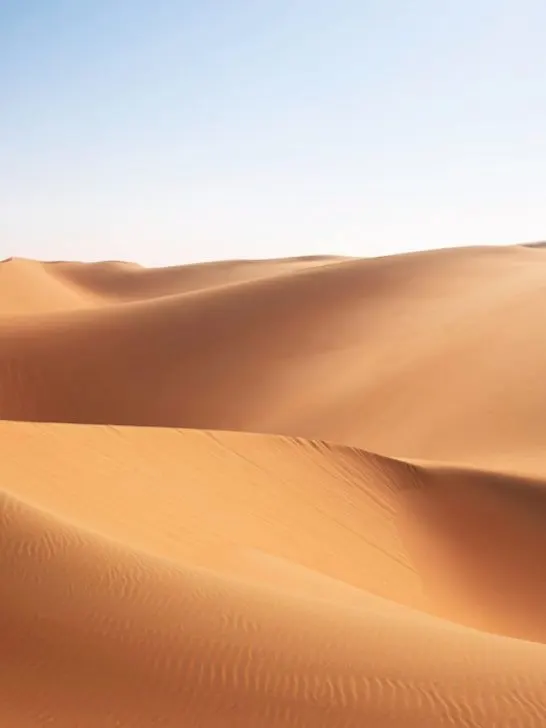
x=178, y=132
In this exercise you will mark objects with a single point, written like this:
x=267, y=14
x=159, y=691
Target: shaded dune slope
x=130, y=608
x=411, y=534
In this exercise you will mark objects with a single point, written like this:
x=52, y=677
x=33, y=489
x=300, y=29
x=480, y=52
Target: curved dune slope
x=30, y=286
x=182, y=544
x=433, y=355
x=154, y=577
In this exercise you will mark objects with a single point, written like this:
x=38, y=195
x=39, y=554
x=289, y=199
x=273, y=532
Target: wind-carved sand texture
x=295, y=493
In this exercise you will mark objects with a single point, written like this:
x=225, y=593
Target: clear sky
x=171, y=131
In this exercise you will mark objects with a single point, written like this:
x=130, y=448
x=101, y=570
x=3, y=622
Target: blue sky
x=173, y=131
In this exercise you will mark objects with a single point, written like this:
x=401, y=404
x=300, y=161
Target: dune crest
x=304, y=492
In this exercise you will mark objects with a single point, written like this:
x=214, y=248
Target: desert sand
x=302, y=493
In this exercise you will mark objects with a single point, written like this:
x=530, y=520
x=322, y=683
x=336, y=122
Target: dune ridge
x=304, y=492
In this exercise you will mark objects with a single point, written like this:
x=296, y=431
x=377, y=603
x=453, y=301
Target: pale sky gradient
x=171, y=131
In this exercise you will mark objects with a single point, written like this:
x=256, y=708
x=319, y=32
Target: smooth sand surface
x=183, y=544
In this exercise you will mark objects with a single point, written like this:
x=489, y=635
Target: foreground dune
x=157, y=576
x=228, y=579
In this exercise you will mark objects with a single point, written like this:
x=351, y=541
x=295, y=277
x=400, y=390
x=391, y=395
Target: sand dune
x=385, y=354
x=30, y=286
x=211, y=576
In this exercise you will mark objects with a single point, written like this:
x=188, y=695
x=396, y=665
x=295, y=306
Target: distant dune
x=307, y=492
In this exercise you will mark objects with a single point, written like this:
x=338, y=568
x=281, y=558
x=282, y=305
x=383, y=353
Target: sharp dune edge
x=305, y=492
